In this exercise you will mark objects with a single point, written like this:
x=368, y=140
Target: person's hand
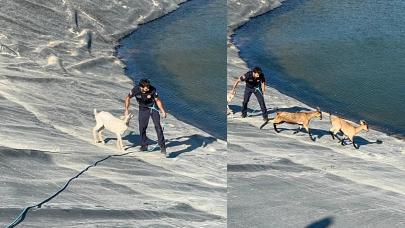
x=164, y=114
x=233, y=92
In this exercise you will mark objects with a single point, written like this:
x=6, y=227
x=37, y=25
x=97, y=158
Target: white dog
x=113, y=124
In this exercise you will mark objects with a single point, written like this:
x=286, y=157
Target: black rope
x=24, y=213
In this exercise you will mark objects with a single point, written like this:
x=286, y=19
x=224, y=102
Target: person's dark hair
x=144, y=83
x=257, y=70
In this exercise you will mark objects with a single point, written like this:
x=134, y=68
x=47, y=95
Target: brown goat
x=300, y=118
x=347, y=129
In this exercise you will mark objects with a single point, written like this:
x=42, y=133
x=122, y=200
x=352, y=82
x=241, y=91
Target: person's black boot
x=144, y=148
x=243, y=115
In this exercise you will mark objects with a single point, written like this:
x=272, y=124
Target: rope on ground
x=24, y=213
x=152, y=148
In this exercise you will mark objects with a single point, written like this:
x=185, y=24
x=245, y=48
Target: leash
x=24, y=213
x=153, y=108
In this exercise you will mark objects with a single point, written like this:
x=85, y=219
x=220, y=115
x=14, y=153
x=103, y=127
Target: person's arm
x=235, y=85
x=159, y=103
x=127, y=103
x=263, y=86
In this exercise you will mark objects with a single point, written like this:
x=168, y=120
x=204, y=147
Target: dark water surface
x=348, y=57
x=184, y=55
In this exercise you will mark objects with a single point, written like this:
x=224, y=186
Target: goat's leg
x=275, y=128
x=119, y=142
x=95, y=135
x=95, y=131
x=122, y=143
x=332, y=133
x=310, y=135
x=100, y=135
x=309, y=132
x=298, y=130
x=355, y=146
x=333, y=136
x=336, y=135
x=342, y=141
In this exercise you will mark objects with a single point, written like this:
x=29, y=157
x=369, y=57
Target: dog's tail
x=95, y=112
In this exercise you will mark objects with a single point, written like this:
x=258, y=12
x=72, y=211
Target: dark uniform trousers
x=259, y=95
x=144, y=114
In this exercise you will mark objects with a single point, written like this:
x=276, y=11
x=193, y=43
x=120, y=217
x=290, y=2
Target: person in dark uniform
x=149, y=106
x=256, y=84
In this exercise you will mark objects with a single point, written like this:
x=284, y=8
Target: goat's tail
x=95, y=112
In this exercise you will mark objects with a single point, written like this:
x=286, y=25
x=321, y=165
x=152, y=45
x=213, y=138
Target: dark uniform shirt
x=144, y=99
x=252, y=82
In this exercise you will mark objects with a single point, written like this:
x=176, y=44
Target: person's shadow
x=235, y=108
x=253, y=110
x=192, y=142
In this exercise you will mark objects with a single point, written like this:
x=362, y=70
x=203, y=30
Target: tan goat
x=300, y=118
x=347, y=129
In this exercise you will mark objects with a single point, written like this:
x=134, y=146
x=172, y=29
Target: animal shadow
x=289, y=109
x=193, y=142
x=316, y=133
x=235, y=108
x=132, y=138
x=323, y=223
x=360, y=141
